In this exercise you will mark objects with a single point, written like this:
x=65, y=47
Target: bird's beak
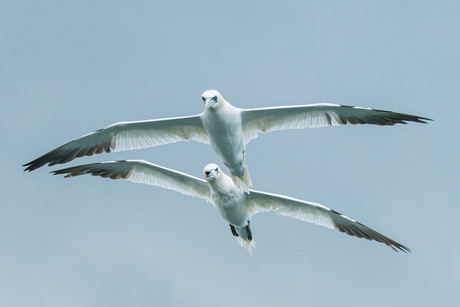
x=213, y=174
x=210, y=102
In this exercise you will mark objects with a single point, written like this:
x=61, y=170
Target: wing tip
x=368, y=234
x=423, y=120
x=61, y=172
x=31, y=166
x=61, y=155
x=396, y=246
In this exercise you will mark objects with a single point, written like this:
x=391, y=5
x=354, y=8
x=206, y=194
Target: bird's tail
x=244, y=181
x=245, y=239
x=245, y=243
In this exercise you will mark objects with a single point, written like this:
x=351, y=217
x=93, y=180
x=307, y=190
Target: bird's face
x=212, y=99
x=211, y=172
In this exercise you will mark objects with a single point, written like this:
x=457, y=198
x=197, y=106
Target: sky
x=70, y=67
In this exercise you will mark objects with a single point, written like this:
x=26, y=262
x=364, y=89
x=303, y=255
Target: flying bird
x=226, y=128
x=233, y=204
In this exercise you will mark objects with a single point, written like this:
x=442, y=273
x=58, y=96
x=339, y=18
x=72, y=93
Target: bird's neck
x=223, y=185
x=223, y=106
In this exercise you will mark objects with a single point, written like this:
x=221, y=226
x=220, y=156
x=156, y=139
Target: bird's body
x=226, y=128
x=231, y=203
x=234, y=205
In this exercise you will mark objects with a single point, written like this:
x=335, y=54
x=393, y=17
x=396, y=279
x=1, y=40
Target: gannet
x=226, y=128
x=234, y=205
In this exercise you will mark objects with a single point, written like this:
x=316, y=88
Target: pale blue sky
x=68, y=68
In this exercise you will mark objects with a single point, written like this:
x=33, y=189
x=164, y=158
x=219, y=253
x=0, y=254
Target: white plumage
x=234, y=205
x=226, y=128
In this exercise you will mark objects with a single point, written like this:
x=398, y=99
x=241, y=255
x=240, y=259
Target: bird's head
x=211, y=172
x=212, y=99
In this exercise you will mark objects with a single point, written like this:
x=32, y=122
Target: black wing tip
x=59, y=172
x=62, y=156
x=68, y=173
x=31, y=166
x=423, y=120
x=406, y=249
x=86, y=169
x=414, y=118
x=409, y=118
x=42, y=161
x=418, y=119
x=403, y=118
x=36, y=164
x=373, y=236
x=398, y=247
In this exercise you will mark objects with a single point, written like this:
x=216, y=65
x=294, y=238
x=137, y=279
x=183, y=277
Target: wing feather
x=126, y=136
x=316, y=214
x=143, y=172
x=317, y=115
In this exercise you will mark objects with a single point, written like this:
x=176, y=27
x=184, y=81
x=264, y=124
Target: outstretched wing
x=143, y=172
x=126, y=136
x=317, y=115
x=316, y=214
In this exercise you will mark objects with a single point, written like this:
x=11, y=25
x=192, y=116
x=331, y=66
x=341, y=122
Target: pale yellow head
x=212, y=99
x=212, y=172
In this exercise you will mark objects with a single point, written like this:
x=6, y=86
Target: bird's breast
x=226, y=136
x=223, y=121
x=232, y=208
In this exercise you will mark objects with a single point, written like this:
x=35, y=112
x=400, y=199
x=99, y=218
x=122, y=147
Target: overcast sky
x=70, y=67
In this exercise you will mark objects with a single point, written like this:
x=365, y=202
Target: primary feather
x=235, y=206
x=226, y=128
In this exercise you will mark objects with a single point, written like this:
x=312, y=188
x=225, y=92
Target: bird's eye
x=204, y=99
x=216, y=169
x=207, y=173
x=214, y=98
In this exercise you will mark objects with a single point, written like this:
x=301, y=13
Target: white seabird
x=233, y=204
x=226, y=128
